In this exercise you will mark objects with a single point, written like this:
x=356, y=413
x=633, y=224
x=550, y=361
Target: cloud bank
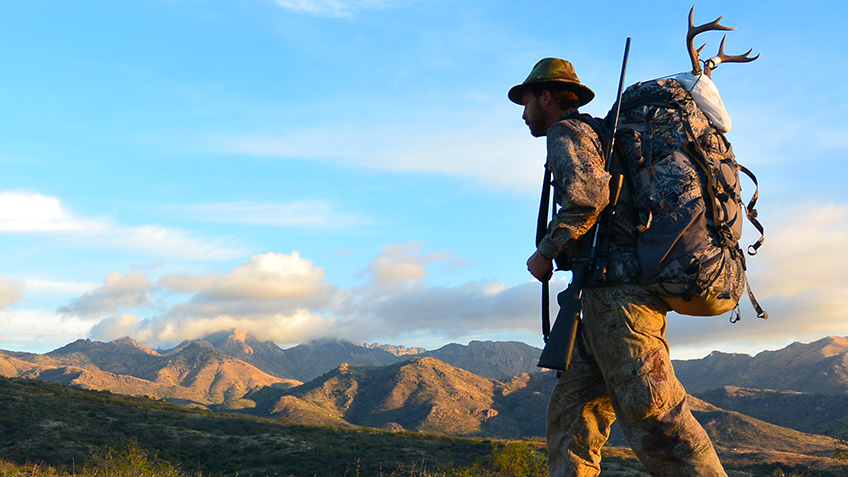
x=799, y=278
x=118, y=292
x=286, y=298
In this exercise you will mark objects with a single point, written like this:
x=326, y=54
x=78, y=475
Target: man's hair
x=563, y=97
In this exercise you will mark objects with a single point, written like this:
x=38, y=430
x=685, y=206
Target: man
x=621, y=367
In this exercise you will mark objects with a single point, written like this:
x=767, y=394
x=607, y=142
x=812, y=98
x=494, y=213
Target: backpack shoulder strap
x=597, y=124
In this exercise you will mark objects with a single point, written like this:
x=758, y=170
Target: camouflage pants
x=621, y=369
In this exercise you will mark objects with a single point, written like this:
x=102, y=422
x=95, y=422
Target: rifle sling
x=541, y=229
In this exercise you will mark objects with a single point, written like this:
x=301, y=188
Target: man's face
x=534, y=114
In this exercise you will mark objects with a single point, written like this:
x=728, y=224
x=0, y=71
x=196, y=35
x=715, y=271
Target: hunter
x=621, y=367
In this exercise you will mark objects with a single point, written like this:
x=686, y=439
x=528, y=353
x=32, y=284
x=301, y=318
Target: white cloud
x=501, y=155
x=296, y=327
x=318, y=214
x=40, y=285
x=168, y=242
x=286, y=298
x=803, y=254
x=334, y=8
x=118, y=292
x=446, y=311
x=33, y=213
x=400, y=303
x=39, y=331
x=271, y=275
x=117, y=326
x=23, y=212
x=11, y=291
x=400, y=263
x=282, y=294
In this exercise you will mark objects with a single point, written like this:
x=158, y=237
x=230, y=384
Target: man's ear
x=545, y=98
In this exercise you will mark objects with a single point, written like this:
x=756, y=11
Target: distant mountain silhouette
x=396, y=350
x=735, y=434
x=496, y=360
x=308, y=361
x=193, y=372
x=805, y=412
x=820, y=367
x=801, y=387
x=427, y=395
x=313, y=359
x=198, y=371
x=421, y=394
x=227, y=371
x=265, y=355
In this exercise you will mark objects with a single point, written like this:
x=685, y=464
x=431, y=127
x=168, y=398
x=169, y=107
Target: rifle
x=559, y=343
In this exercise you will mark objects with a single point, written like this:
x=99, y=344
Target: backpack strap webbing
x=751, y=212
x=698, y=156
x=760, y=312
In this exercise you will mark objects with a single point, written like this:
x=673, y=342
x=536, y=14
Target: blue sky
x=305, y=169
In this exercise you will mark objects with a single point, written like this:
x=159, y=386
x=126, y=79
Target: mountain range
x=496, y=360
x=820, y=367
x=769, y=406
x=223, y=367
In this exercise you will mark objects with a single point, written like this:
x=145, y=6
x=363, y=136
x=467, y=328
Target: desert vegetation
x=54, y=430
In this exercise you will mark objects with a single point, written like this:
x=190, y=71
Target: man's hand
x=540, y=266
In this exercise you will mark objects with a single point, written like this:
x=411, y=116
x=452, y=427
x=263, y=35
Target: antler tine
x=713, y=62
x=697, y=30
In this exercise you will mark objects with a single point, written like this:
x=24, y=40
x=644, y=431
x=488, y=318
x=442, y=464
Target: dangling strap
x=541, y=230
x=752, y=212
x=760, y=312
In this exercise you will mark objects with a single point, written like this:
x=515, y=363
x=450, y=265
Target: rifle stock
x=560, y=345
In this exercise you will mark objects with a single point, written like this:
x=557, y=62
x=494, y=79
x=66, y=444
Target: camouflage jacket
x=581, y=190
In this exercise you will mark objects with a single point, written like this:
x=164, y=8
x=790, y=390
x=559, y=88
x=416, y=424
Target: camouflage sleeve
x=581, y=186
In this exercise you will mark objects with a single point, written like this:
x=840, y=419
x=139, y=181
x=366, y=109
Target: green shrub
x=516, y=459
x=129, y=461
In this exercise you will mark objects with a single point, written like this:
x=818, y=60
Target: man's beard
x=537, y=128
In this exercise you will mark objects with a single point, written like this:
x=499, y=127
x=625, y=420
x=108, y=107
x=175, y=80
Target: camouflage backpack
x=684, y=180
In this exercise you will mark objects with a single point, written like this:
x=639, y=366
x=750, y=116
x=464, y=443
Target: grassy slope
x=65, y=426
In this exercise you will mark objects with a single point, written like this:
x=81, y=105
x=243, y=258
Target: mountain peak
x=239, y=335
x=127, y=342
x=234, y=335
x=397, y=350
x=120, y=345
x=832, y=345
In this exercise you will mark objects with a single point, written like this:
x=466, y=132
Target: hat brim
x=584, y=94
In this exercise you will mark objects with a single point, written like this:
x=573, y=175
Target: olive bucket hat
x=553, y=71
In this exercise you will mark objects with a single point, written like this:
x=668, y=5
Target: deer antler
x=713, y=62
x=695, y=31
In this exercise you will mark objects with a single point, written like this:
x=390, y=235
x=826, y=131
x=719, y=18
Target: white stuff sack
x=706, y=96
